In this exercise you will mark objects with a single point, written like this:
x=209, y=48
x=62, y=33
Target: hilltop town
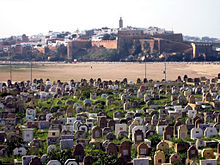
x=110, y=44
x=110, y=122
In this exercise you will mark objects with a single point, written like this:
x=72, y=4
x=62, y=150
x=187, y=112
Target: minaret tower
x=120, y=23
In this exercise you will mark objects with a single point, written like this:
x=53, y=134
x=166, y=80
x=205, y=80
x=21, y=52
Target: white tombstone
x=191, y=113
x=210, y=131
x=51, y=148
x=131, y=127
x=83, y=127
x=28, y=134
x=2, y=106
x=208, y=162
x=89, y=123
x=70, y=120
x=92, y=115
x=139, y=120
x=20, y=151
x=196, y=133
x=70, y=162
x=76, y=124
x=141, y=161
x=68, y=127
x=142, y=128
x=53, y=162
x=120, y=127
x=148, y=142
x=48, y=116
x=160, y=129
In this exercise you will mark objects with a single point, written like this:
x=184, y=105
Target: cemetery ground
x=108, y=71
x=110, y=122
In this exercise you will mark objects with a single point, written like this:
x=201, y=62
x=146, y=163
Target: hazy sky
x=191, y=17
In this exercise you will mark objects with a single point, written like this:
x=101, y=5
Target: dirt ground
x=107, y=71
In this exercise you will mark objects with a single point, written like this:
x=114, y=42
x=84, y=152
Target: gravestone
x=159, y=158
x=96, y=132
x=110, y=136
x=196, y=133
x=79, y=152
x=102, y=122
x=164, y=146
x=111, y=124
x=35, y=161
x=182, y=132
x=192, y=152
x=174, y=158
x=208, y=153
x=143, y=150
x=168, y=133
x=112, y=149
x=120, y=128
x=125, y=151
x=88, y=160
x=138, y=136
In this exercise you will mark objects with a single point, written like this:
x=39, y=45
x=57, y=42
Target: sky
x=190, y=17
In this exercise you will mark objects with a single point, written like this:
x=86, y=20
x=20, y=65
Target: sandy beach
x=108, y=70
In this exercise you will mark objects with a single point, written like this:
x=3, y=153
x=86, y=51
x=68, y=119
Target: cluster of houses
x=142, y=123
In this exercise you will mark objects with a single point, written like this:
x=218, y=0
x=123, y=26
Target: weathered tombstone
x=199, y=143
x=26, y=159
x=118, y=114
x=35, y=161
x=112, y=149
x=122, y=134
x=218, y=152
x=96, y=132
x=88, y=160
x=143, y=150
x=138, y=136
x=28, y=134
x=208, y=153
x=66, y=144
x=111, y=124
x=149, y=133
x=110, y=136
x=182, y=132
x=102, y=122
x=174, y=158
x=125, y=151
x=168, y=133
x=159, y=158
x=181, y=147
x=191, y=99
x=106, y=130
x=164, y=146
x=192, y=152
x=51, y=148
x=79, y=152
